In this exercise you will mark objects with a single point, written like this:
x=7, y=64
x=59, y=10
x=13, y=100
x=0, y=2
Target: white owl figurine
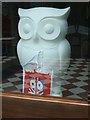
x=43, y=43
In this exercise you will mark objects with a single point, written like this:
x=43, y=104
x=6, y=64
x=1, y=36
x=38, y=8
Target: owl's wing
x=64, y=54
x=26, y=54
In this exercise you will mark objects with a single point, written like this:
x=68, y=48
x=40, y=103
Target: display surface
x=75, y=85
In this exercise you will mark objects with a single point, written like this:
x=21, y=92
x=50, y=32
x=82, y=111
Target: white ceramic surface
x=42, y=31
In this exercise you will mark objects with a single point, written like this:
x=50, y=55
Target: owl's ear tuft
x=21, y=12
x=65, y=12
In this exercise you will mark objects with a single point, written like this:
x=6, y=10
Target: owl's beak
x=35, y=36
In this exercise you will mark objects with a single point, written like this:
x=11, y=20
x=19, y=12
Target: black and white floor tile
x=75, y=84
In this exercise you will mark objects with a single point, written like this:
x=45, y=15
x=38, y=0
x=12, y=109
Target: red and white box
x=36, y=83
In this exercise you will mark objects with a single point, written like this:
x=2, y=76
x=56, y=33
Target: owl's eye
x=49, y=28
x=39, y=85
x=26, y=28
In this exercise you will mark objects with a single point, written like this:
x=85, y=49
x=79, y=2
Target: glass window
x=74, y=83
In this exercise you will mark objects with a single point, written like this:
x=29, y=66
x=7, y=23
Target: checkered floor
x=75, y=85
